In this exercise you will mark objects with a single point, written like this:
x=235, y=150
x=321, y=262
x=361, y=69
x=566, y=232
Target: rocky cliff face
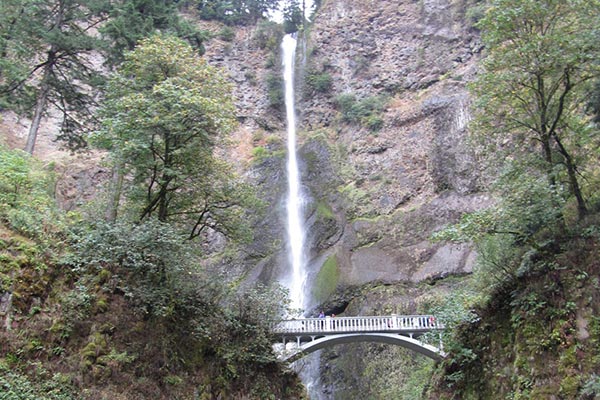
x=415, y=173
x=381, y=182
x=378, y=190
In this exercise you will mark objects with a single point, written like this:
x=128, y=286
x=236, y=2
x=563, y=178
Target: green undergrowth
x=537, y=336
x=89, y=328
x=95, y=310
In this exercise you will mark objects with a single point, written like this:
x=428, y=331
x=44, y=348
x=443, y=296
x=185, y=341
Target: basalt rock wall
x=377, y=191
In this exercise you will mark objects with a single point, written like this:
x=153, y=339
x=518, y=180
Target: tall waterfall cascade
x=296, y=234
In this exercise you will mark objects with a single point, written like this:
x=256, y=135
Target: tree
x=48, y=51
x=236, y=12
x=165, y=110
x=47, y=47
x=541, y=62
x=130, y=21
x=293, y=16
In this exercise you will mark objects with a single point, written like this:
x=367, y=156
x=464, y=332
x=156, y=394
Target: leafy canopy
x=27, y=202
x=531, y=123
x=530, y=96
x=130, y=21
x=165, y=110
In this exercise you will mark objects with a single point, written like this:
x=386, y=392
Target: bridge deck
x=411, y=325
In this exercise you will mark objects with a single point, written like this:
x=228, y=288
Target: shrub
x=152, y=255
x=26, y=201
x=319, y=82
x=227, y=34
x=17, y=386
x=259, y=153
x=591, y=388
x=275, y=88
x=475, y=13
x=366, y=112
x=268, y=35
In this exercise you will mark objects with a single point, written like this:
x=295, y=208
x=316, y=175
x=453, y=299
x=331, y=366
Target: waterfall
x=295, y=201
x=308, y=369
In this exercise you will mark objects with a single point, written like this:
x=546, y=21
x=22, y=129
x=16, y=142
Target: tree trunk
x=547, y=149
x=45, y=84
x=39, y=111
x=576, y=190
x=115, y=198
x=573, y=181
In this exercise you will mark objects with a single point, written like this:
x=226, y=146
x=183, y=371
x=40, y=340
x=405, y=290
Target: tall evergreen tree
x=47, y=49
x=50, y=52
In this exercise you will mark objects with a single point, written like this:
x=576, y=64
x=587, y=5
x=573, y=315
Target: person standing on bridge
x=431, y=321
x=322, y=323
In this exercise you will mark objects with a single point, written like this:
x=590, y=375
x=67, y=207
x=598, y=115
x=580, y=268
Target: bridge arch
x=388, y=338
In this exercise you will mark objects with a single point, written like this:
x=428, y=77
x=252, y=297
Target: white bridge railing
x=408, y=324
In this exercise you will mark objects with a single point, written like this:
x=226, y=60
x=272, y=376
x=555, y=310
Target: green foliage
x=593, y=103
x=165, y=111
x=471, y=227
x=541, y=62
x=154, y=258
x=268, y=35
x=17, y=386
x=275, y=88
x=43, y=47
x=320, y=82
x=591, y=388
x=259, y=153
x=46, y=46
x=241, y=337
x=529, y=204
x=366, y=112
x=324, y=211
x=227, y=34
x=26, y=202
x=293, y=16
x=527, y=343
x=526, y=207
x=476, y=12
x=236, y=12
x=527, y=213
x=129, y=22
x=357, y=197
x=393, y=373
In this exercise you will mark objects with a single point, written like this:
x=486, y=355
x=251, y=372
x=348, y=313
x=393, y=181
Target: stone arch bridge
x=307, y=335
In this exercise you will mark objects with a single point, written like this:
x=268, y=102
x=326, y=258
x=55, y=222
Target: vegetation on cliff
x=122, y=310
x=114, y=300
x=534, y=333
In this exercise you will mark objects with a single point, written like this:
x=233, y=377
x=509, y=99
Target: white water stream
x=295, y=200
x=308, y=368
